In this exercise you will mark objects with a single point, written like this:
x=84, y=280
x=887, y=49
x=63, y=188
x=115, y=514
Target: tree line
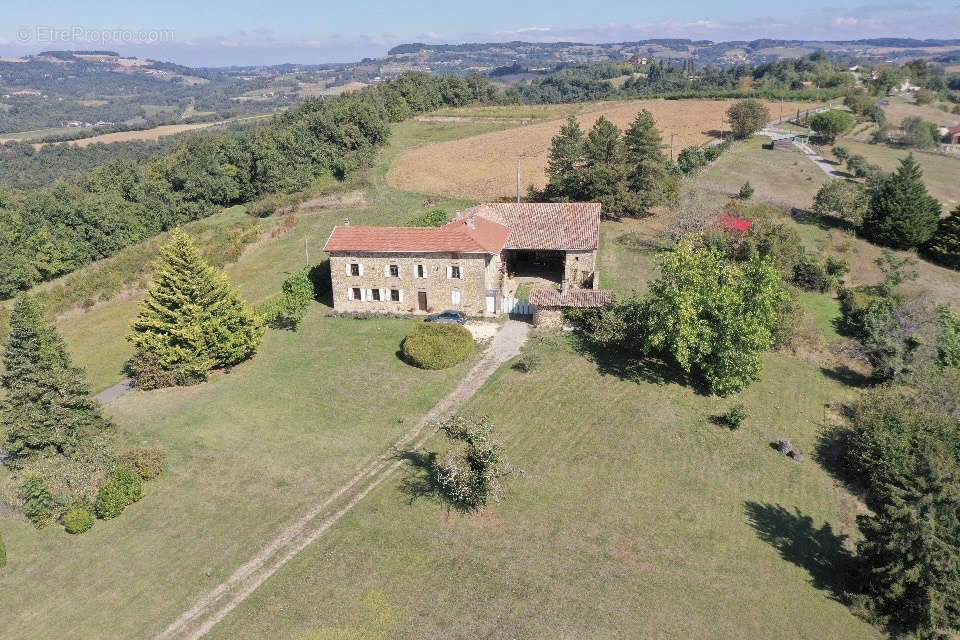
x=54, y=230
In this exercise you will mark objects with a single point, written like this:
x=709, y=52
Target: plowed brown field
x=484, y=167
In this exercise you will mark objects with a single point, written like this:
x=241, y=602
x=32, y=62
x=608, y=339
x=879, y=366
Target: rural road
x=818, y=160
x=215, y=605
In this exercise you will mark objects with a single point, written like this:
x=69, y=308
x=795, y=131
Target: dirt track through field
x=215, y=605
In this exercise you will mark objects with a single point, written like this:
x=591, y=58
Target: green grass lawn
x=634, y=517
x=248, y=452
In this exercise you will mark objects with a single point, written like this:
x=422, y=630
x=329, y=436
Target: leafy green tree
x=714, y=318
x=841, y=153
x=902, y=214
x=747, y=117
x=919, y=133
x=944, y=246
x=831, y=124
x=287, y=311
x=911, y=551
x=46, y=405
x=433, y=218
x=691, y=160
x=845, y=200
x=470, y=477
x=746, y=191
x=192, y=319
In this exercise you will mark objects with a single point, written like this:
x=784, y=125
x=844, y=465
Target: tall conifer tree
x=192, y=320
x=944, y=246
x=46, y=405
x=902, y=214
x=911, y=550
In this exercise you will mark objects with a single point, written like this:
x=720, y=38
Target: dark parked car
x=448, y=316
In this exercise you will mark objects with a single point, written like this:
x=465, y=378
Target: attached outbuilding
x=550, y=304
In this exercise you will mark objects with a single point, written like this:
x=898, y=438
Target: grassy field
x=900, y=108
x=247, y=451
x=634, y=517
x=634, y=514
x=485, y=167
x=939, y=171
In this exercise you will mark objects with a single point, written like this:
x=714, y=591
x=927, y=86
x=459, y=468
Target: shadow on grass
x=850, y=377
x=818, y=550
x=809, y=217
x=419, y=480
x=637, y=368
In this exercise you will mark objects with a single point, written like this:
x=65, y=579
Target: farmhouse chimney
x=346, y=222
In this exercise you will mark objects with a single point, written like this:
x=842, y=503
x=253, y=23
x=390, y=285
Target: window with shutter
x=393, y=270
x=353, y=269
x=455, y=272
x=401, y=295
x=375, y=295
x=361, y=268
x=394, y=295
x=421, y=271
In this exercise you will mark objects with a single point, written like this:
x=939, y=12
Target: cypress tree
x=46, y=405
x=911, y=551
x=192, y=320
x=944, y=246
x=902, y=214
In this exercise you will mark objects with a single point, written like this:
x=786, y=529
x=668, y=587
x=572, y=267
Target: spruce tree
x=566, y=155
x=192, y=320
x=648, y=172
x=911, y=551
x=642, y=140
x=902, y=214
x=944, y=246
x=46, y=405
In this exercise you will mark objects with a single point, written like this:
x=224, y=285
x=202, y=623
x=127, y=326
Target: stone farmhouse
x=472, y=264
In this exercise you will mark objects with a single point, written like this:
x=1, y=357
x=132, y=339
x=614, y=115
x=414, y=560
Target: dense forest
x=811, y=77
x=51, y=231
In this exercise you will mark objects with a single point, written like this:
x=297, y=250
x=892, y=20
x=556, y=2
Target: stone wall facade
x=478, y=273
x=578, y=265
x=548, y=318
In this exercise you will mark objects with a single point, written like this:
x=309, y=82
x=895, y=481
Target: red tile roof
x=543, y=225
x=478, y=236
x=487, y=228
x=573, y=298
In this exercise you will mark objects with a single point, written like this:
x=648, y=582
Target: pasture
x=485, y=167
x=634, y=514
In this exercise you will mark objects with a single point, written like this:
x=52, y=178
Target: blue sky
x=220, y=32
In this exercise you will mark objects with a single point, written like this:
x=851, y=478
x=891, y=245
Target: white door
x=491, y=304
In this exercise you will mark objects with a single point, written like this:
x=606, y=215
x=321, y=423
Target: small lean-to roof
x=543, y=225
x=572, y=299
x=474, y=236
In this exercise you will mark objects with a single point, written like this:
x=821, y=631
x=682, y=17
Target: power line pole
x=306, y=248
x=519, y=158
x=672, y=136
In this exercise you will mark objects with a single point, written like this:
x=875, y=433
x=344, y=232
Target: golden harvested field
x=484, y=167
x=898, y=109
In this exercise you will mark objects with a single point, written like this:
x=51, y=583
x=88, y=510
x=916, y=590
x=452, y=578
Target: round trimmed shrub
x=437, y=346
x=78, y=520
